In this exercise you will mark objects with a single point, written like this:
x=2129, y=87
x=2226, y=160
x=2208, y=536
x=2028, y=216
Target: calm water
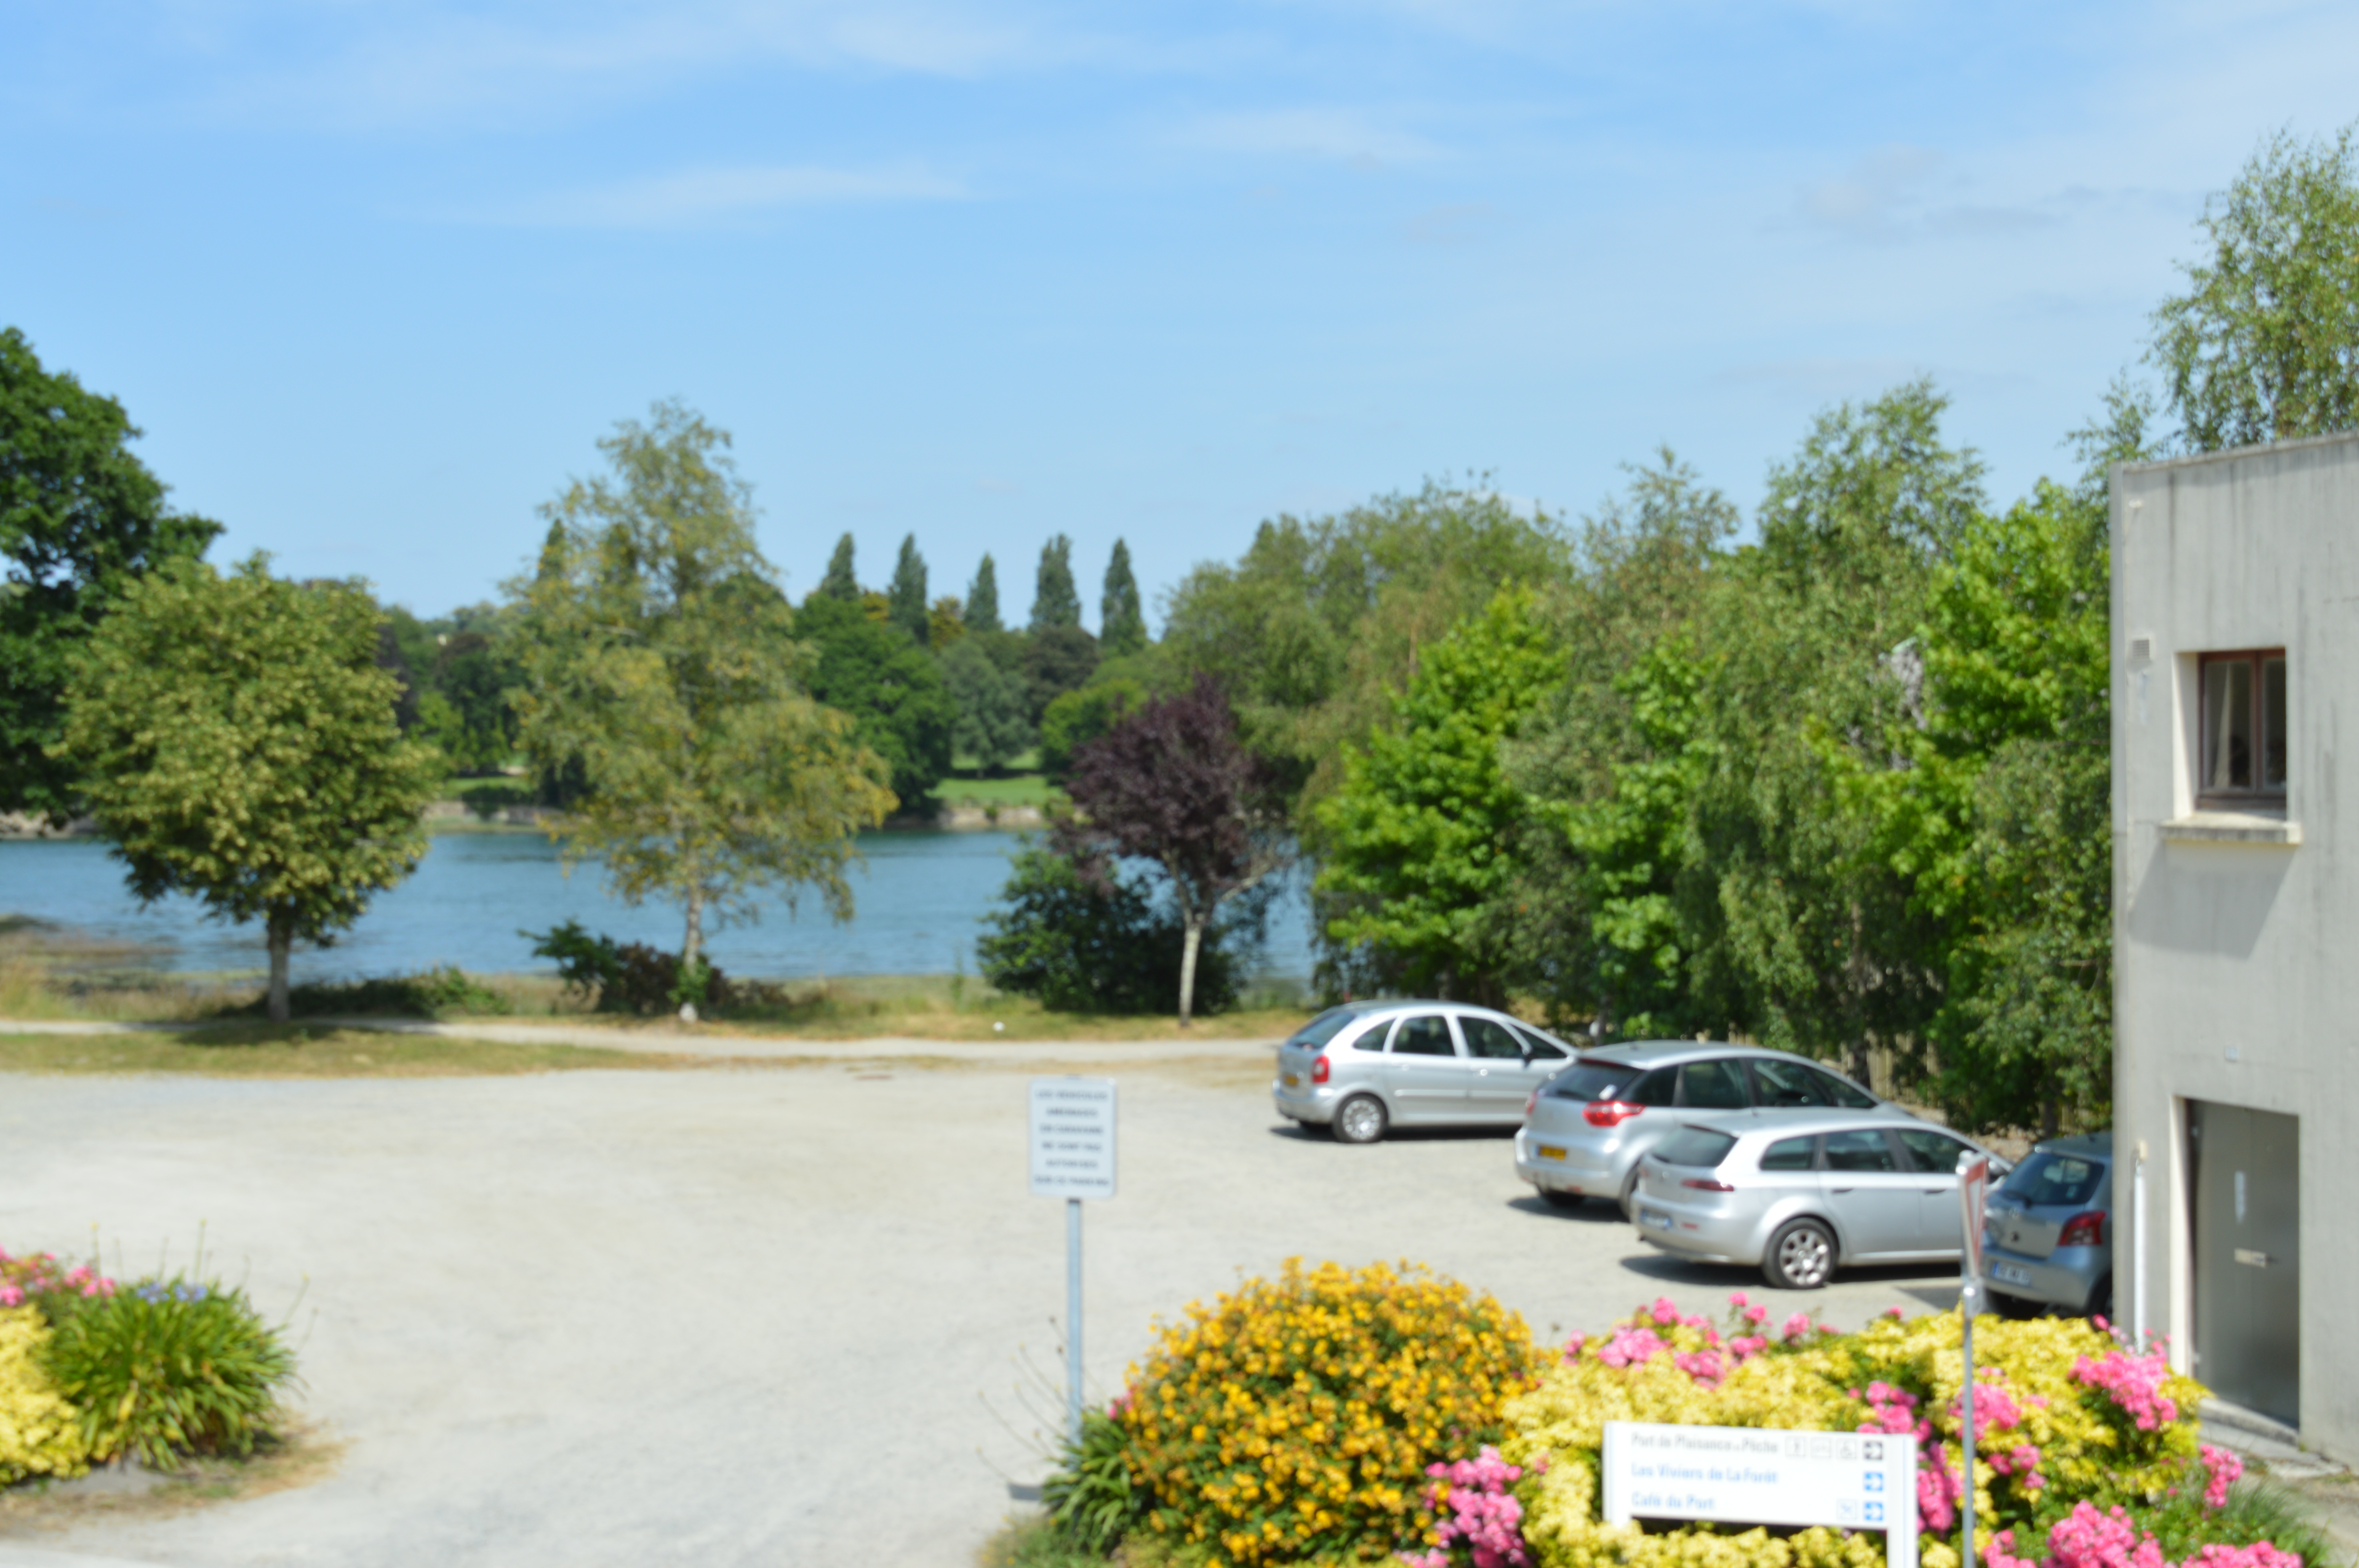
x=919, y=902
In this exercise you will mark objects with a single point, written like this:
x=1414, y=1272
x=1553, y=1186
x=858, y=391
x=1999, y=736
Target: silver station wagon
x=1799, y=1195
x=1590, y=1124
x=1368, y=1066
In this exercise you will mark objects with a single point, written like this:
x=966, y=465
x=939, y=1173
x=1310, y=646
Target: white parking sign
x=1072, y=1138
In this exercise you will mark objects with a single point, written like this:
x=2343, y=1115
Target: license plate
x=1293, y=1081
x=1659, y=1221
x=1550, y=1151
x=2008, y=1274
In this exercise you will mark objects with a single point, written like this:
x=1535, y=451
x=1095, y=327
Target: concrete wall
x=2236, y=945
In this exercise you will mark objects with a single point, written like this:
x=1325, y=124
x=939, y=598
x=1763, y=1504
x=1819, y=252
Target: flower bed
x=1289, y=1423
x=159, y=1368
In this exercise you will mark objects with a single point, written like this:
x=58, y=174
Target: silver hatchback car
x=2047, y=1240
x=1589, y=1125
x=1367, y=1066
x=1800, y=1195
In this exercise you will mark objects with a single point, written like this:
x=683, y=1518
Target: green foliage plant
x=235, y=740
x=171, y=1367
x=2264, y=344
x=1056, y=603
x=906, y=597
x=1082, y=716
x=39, y=1432
x=840, y=581
x=1292, y=1420
x=1093, y=1497
x=894, y=691
x=982, y=612
x=1094, y=945
x=1420, y=837
x=1057, y=659
x=992, y=726
x=587, y=961
x=1121, y=624
x=81, y=519
x=659, y=658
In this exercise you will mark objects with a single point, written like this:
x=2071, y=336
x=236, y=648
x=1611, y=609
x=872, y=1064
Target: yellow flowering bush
x=39, y=1435
x=2063, y=1414
x=1295, y=1419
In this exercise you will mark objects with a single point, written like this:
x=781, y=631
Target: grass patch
x=312, y=1051
x=957, y=1007
x=1033, y=1542
x=1015, y=789
x=300, y=1454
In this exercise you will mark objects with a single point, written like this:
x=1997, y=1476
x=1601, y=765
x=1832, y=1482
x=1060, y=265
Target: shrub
x=586, y=961
x=629, y=977
x=1092, y=1497
x=55, y=1289
x=1295, y=1419
x=427, y=995
x=1080, y=948
x=169, y=1366
x=39, y=1433
x=2069, y=1425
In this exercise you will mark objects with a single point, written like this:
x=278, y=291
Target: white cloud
x=1343, y=135
x=694, y=197
x=1870, y=200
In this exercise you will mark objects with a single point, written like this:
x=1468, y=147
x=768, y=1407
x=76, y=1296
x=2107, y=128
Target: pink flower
x=11, y=1296
x=1756, y=1314
x=2134, y=1383
x=1665, y=1311
x=2223, y=1468
x=1737, y=1298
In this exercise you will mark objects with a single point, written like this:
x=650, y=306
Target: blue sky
x=374, y=277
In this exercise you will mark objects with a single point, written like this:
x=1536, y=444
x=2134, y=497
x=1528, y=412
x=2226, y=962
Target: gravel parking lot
x=766, y=1315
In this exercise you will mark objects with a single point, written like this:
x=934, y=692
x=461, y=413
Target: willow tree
x=659, y=652
x=235, y=738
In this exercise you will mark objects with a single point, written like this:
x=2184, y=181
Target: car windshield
x=1594, y=1080
x=1696, y=1146
x=2051, y=1178
x=1324, y=1028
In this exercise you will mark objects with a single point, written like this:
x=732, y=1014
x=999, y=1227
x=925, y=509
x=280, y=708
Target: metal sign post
x=1973, y=1189
x=1072, y=1158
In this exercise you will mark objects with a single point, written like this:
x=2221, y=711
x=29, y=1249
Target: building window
x=2244, y=756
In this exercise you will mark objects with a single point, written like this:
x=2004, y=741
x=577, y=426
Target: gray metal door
x=2246, y=1166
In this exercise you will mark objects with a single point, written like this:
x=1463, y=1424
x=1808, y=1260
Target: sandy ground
x=755, y=1316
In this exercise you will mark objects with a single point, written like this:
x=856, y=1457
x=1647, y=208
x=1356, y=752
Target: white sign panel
x=1745, y=1475
x=1072, y=1138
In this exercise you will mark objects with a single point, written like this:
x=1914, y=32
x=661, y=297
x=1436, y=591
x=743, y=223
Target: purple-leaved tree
x=1172, y=783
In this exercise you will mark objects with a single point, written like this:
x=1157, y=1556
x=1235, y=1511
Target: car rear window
x=1324, y=1028
x=1791, y=1155
x=1699, y=1147
x=2050, y=1178
x=1591, y=1080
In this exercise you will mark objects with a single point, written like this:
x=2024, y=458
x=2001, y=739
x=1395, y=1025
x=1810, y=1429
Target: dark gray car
x=2047, y=1237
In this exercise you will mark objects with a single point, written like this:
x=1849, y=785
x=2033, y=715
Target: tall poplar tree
x=1055, y=600
x=906, y=598
x=839, y=582
x=1121, y=626
x=983, y=599
x=659, y=652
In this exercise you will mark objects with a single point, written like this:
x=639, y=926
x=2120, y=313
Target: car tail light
x=1531, y=1104
x=1609, y=1112
x=2083, y=1230
x=1708, y=1185
x=1319, y=1070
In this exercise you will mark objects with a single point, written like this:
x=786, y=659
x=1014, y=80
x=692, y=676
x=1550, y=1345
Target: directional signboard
x=1072, y=1138
x=1748, y=1474
x=1974, y=1193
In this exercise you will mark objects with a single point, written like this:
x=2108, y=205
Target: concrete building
x=2236, y=627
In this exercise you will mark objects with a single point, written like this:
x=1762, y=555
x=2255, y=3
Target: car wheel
x=1555, y=1199
x=1360, y=1119
x=1801, y=1256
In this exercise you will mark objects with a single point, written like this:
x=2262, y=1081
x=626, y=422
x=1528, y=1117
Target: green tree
x=1055, y=600
x=839, y=582
x=1081, y=716
x=1057, y=659
x=1122, y=626
x=908, y=594
x=80, y=518
x=1422, y=833
x=1095, y=945
x=659, y=659
x=235, y=740
x=945, y=621
x=983, y=599
x=991, y=727
x=894, y=691
x=2264, y=345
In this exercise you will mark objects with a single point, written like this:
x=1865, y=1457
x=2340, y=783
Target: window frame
x=2256, y=696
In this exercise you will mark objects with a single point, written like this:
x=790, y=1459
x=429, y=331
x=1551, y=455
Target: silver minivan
x=1800, y=1193
x=1590, y=1124
x=1367, y=1066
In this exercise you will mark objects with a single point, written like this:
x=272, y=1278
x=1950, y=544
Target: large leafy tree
x=906, y=597
x=991, y=728
x=234, y=737
x=1173, y=785
x=80, y=518
x=2264, y=344
x=1056, y=603
x=1421, y=836
x=659, y=661
x=1121, y=624
x=894, y=691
